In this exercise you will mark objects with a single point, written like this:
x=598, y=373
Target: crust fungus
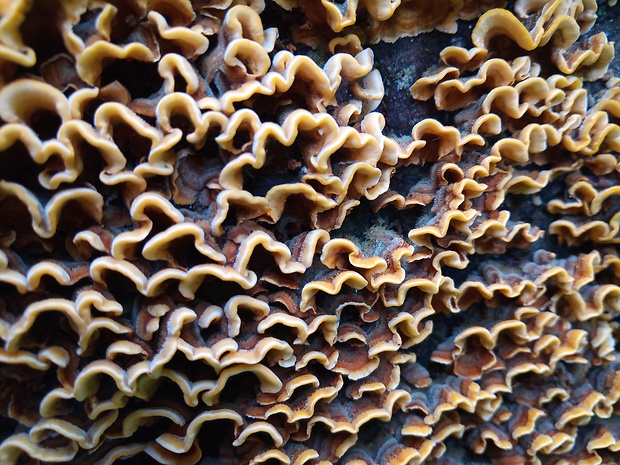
x=215, y=248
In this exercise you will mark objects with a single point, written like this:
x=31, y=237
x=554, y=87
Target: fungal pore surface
x=304, y=232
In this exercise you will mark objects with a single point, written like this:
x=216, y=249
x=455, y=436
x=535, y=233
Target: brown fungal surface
x=226, y=237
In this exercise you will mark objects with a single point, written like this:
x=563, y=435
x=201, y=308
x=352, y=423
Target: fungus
x=214, y=246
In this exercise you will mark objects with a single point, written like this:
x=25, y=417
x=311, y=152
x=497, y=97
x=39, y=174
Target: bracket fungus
x=217, y=247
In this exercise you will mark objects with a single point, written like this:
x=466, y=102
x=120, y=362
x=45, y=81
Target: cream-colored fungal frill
x=385, y=20
x=213, y=249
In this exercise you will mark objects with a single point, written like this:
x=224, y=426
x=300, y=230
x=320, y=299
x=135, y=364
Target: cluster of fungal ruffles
x=213, y=250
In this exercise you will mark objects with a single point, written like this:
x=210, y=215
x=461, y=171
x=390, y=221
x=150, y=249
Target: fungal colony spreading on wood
x=216, y=248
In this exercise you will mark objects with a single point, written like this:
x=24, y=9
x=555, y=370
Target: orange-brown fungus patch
x=222, y=240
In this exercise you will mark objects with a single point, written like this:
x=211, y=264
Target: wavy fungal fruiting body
x=214, y=248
